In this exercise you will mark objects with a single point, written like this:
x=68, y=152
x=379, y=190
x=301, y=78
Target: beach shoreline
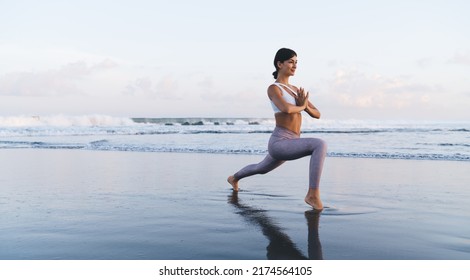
x=79, y=204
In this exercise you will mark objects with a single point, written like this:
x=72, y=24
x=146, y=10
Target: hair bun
x=275, y=74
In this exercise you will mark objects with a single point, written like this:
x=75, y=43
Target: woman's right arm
x=275, y=95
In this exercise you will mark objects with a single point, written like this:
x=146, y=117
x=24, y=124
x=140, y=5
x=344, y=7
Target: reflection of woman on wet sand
x=280, y=245
x=288, y=103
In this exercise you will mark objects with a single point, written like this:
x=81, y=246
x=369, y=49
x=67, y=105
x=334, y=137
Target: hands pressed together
x=302, y=98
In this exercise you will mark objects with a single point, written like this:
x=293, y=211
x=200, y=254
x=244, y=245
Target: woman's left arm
x=312, y=111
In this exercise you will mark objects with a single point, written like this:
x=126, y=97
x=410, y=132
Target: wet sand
x=75, y=204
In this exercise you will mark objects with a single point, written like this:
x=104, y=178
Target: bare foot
x=232, y=181
x=313, y=199
x=315, y=203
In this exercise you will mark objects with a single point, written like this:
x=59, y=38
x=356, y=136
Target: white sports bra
x=285, y=94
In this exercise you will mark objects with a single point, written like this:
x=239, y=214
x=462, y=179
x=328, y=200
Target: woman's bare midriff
x=291, y=122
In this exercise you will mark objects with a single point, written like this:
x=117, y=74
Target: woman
x=285, y=143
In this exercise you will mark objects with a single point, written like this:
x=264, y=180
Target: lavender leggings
x=287, y=145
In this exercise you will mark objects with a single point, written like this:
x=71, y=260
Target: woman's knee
x=324, y=144
x=321, y=144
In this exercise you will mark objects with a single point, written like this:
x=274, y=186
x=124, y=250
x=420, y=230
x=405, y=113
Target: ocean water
x=424, y=140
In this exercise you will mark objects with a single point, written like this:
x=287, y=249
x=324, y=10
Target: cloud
x=461, y=57
x=206, y=83
x=139, y=86
x=166, y=87
x=425, y=62
x=63, y=81
x=352, y=88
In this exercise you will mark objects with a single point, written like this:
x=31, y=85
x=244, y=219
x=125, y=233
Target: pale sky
x=359, y=59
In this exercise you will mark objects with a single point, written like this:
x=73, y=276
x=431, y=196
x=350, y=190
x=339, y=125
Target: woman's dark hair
x=281, y=56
